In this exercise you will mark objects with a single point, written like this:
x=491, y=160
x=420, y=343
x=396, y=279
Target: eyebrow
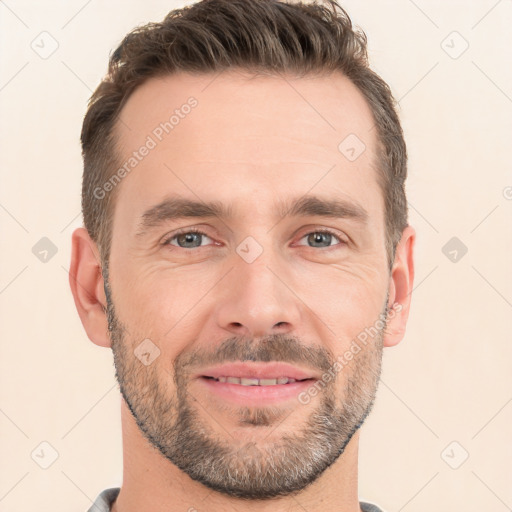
x=176, y=208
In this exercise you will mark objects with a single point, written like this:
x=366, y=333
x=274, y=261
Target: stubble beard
x=280, y=462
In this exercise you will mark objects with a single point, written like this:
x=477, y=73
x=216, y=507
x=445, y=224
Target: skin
x=248, y=143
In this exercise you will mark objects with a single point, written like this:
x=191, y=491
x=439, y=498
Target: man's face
x=266, y=283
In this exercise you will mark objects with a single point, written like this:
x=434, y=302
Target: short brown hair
x=260, y=36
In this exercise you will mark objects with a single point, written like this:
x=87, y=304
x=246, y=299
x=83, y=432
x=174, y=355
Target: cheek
x=163, y=304
x=348, y=298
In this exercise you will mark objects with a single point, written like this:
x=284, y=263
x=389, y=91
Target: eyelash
x=198, y=231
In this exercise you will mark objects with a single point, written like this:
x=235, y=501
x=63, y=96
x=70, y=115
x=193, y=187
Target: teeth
x=255, y=382
x=249, y=382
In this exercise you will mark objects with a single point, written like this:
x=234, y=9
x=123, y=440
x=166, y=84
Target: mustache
x=276, y=347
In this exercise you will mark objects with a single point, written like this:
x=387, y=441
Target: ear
x=400, y=288
x=86, y=281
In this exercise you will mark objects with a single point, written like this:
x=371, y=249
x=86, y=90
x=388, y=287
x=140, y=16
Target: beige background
x=449, y=380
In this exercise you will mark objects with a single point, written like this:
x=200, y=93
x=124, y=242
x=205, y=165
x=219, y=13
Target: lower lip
x=256, y=395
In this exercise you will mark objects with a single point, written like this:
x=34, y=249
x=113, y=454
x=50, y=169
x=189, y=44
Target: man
x=246, y=254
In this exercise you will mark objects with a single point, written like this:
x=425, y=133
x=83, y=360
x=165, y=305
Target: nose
x=258, y=300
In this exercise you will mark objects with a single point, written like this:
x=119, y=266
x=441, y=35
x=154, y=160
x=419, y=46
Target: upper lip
x=271, y=370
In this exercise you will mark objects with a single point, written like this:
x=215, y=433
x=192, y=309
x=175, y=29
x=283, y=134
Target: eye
x=321, y=238
x=187, y=239
x=192, y=238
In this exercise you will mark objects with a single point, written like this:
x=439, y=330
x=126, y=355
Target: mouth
x=255, y=384
x=247, y=381
x=265, y=374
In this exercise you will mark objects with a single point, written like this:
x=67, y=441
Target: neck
x=151, y=483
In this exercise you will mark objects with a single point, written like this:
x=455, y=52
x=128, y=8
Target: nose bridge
x=261, y=287
x=257, y=300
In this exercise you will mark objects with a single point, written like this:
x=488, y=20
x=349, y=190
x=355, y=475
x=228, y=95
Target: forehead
x=242, y=140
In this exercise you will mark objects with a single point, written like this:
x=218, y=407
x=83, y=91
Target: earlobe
x=400, y=288
x=87, y=286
